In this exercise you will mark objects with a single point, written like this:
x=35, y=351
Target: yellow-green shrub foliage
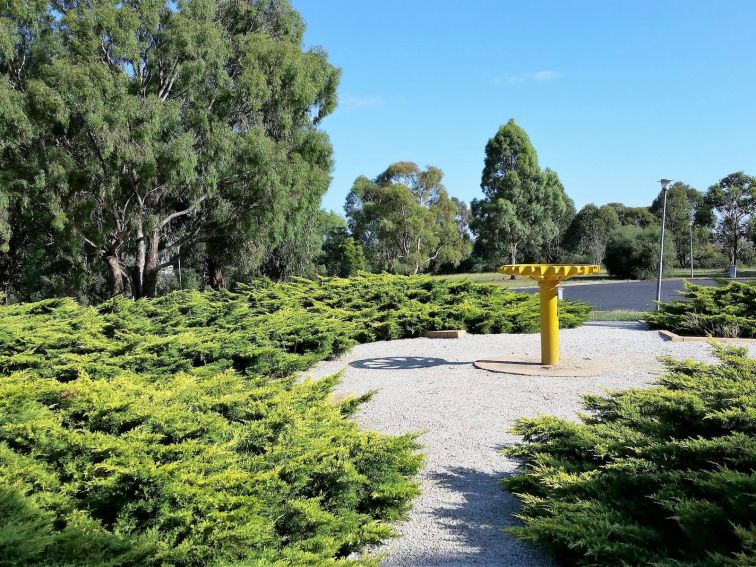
x=727, y=310
x=657, y=476
x=170, y=432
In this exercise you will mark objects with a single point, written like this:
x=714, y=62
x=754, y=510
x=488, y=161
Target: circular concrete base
x=528, y=366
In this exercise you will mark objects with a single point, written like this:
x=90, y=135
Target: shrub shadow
x=475, y=512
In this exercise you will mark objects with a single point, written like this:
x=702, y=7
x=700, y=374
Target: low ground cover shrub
x=657, y=476
x=171, y=431
x=727, y=310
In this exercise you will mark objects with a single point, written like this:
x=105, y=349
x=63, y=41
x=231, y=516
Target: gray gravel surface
x=430, y=386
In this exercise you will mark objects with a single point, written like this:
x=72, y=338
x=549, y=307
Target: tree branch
x=165, y=264
x=165, y=89
x=88, y=241
x=59, y=7
x=182, y=241
x=177, y=214
x=96, y=147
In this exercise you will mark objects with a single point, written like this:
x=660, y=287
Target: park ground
x=464, y=416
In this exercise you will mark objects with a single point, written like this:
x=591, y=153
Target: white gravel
x=430, y=386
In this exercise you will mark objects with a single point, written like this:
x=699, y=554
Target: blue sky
x=614, y=95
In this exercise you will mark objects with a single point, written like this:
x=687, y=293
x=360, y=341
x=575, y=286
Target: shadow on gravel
x=403, y=363
x=476, y=516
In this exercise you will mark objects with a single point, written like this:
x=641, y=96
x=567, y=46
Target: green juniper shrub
x=727, y=310
x=657, y=476
x=173, y=431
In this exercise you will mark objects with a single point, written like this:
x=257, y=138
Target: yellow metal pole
x=549, y=321
x=548, y=277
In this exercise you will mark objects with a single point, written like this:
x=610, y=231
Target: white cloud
x=519, y=78
x=546, y=75
x=354, y=102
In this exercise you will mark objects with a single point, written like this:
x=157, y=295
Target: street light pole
x=665, y=187
x=691, y=249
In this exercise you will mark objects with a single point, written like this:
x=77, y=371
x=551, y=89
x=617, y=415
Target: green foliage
x=727, y=310
x=341, y=255
x=525, y=210
x=405, y=221
x=658, y=476
x=734, y=199
x=686, y=208
x=589, y=232
x=633, y=253
x=172, y=431
x=134, y=132
x=633, y=216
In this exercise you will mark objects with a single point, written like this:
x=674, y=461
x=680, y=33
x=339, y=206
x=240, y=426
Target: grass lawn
x=618, y=315
x=743, y=272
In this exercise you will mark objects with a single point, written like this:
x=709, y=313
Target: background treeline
x=145, y=148
x=403, y=221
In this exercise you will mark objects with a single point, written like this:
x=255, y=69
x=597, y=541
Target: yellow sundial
x=549, y=271
x=548, y=277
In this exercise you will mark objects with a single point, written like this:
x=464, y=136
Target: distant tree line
x=149, y=147
x=403, y=221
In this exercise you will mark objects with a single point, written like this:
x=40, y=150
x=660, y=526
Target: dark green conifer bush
x=657, y=476
x=727, y=310
x=171, y=431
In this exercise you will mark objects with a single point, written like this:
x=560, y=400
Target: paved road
x=636, y=296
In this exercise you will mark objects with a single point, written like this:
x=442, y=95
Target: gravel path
x=430, y=385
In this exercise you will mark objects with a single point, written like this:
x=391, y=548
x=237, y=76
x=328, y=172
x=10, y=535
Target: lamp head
x=665, y=183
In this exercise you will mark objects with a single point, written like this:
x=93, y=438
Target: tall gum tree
x=405, y=221
x=686, y=213
x=734, y=200
x=149, y=128
x=524, y=209
x=589, y=232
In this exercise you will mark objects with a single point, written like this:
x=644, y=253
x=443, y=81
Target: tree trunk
x=215, y=251
x=151, y=269
x=116, y=274
x=137, y=283
x=215, y=277
x=734, y=255
x=513, y=256
x=146, y=264
x=736, y=220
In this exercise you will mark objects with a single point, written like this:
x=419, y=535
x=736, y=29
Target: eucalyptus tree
x=148, y=128
x=634, y=216
x=686, y=212
x=560, y=209
x=524, y=208
x=405, y=221
x=340, y=254
x=734, y=199
x=589, y=231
